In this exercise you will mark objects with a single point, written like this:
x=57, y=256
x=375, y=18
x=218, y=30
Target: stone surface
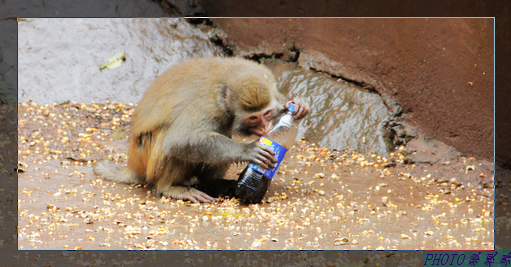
x=440, y=71
x=60, y=59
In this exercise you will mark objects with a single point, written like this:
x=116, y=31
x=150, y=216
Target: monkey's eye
x=268, y=113
x=252, y=119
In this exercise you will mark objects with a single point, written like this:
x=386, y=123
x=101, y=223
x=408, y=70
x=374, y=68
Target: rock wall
x=439, y=71
x=60, y=59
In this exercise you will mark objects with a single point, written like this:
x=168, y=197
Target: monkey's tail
x=116, y=173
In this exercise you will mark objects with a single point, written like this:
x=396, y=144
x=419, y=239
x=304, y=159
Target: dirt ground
x=321, y=199
x=8, y=197
x=440, y=71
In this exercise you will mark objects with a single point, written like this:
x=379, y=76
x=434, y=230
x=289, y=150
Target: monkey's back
x=188, y=88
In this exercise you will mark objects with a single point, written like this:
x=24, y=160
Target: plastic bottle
x=253, y=182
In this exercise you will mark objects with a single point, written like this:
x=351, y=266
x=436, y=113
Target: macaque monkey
x=181, y=130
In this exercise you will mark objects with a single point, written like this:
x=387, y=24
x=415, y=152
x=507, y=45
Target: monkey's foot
x=186, y=193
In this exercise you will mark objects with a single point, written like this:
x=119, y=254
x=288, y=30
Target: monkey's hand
x=301, y=108
x=260, y=154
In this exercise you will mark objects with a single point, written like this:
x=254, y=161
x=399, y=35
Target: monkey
x=180, y=138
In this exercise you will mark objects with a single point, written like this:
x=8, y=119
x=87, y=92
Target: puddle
x=342, y=116
x=321, y=199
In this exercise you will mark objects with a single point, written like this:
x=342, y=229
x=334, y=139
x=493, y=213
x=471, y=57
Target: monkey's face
x=258, y=123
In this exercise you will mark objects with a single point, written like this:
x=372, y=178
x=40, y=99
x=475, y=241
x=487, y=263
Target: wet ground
x=342, y=115
x=439, y=71
x=321, y=198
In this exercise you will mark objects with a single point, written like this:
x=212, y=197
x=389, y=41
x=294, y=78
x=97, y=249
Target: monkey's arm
x=215, y=148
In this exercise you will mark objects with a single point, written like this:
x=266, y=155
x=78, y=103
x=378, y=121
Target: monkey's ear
x=225, y=97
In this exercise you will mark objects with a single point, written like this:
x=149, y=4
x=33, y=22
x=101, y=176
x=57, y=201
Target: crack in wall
x=395, y=131
x=362, y=84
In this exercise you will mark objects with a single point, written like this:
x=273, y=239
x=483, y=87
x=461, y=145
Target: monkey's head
x=256, y=104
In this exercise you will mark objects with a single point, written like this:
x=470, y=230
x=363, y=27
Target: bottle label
x=280, y=152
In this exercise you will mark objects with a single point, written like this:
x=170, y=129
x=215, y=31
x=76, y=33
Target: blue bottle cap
x=291, y=107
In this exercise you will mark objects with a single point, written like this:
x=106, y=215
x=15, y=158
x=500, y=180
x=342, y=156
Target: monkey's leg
x=167, y=174
x=212, y=182
x=170, y=183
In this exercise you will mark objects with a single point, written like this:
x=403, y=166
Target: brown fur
x=183, y=125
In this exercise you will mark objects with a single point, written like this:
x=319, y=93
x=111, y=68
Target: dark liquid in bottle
x=252, y=185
